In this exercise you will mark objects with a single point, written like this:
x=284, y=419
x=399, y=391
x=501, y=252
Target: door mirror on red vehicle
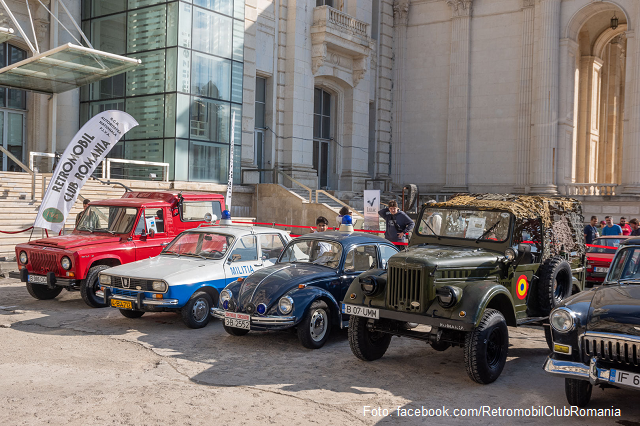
x=152, y=233
x=143, y=235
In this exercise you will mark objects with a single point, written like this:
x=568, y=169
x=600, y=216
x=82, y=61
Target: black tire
x=89, y=287
x=235, y=331
x=548, y=337
x=440, y=346
x=314, y=329
x=131, y=314
x=365, y=344
x=42, y=292
x=197, y=312
x=485, y=348
x=554, y=284
x=578, y=391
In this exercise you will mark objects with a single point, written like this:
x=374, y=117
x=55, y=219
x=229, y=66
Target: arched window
x=13, y=104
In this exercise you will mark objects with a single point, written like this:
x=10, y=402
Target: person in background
x=626, y=229
x=398, y=223
x=611, y=229
x=342, y=213
x=321, y=224
x=590, y=231
x=85, y=204
x=602, y=225
x=635, y=227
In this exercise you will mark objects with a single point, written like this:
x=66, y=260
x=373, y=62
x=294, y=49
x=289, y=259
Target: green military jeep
x=474, y=265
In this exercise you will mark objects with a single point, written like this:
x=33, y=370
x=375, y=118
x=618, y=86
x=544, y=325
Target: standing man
x=85, y=204
x=590, y=231
x=635, y=227
x=610, y=228
x=398, y=223
x=626, y=229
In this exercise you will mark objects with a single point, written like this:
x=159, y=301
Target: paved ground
x=63, y=363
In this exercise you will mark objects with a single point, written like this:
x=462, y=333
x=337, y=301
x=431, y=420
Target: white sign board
x=371, y=208
x=87, y=149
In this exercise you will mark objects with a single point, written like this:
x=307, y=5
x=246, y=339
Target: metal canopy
x=64, y=68
x=6, y=34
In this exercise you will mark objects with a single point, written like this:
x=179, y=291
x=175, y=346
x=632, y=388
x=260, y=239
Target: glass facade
x=186, y=90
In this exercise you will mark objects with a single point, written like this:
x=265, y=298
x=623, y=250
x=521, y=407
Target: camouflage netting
x=561, y=217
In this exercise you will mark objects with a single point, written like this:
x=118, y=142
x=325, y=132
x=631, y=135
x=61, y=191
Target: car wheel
x=554, y=284
x=131, y=314
x=89, y=287
x=485, y=348
x=578, y=391
x=197, y=312
x=314, y=329
x=42, y=292
x=547, y=336
x=366, y=344
x=234, y=331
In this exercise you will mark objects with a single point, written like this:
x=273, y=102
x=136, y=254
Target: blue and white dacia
x=190, y=272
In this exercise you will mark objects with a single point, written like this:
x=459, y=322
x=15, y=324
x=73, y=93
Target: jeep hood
x=269, y=284
x=616, y=309
x=445, y=257
x=75, y=240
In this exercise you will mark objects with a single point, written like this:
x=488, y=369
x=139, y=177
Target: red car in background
x=599, y=256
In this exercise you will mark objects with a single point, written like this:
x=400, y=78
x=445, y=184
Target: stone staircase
x=323, y=199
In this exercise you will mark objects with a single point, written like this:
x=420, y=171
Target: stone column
x=458, y=114
x=524, y=108
x=567, y=120
x=631, y=139
x=545, y=122
x=401, y=16
x=589, y=131
x=611, y=87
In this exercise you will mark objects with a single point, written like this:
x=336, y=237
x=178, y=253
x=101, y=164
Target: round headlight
x=562, y=320
x=226, y=295
x=23, y=257
x=369, y=285
x=105, y=279
x=510, y=254
x=159, y=286
x=285, y=305
x=66, y=263
x=447, y=297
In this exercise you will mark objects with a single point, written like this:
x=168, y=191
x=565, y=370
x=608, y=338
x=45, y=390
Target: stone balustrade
x=327, y=15
x=597, y=189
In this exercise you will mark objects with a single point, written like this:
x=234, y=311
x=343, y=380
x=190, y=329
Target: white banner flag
x=371, y=207
x=231, y=149
x=87, y=149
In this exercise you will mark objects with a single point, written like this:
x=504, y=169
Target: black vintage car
x=596, y=333
x=304, y=288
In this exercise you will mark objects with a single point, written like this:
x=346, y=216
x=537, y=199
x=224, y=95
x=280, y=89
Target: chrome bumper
x=172, y=303
x=577, y=370
x=258, y=320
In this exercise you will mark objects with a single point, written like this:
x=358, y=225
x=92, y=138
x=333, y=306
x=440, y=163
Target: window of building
x=325, y=3
x=12, y=116
x=261, y=99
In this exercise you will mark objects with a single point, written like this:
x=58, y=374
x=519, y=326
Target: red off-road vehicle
x=110, y=233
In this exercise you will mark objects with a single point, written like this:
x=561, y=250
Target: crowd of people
x=607, y=228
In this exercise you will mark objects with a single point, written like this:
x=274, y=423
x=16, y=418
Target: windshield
x=326, y=253
x=626, y=265
x=605, y=245
x=465, y=223
x=115, y=220
x=203, y=244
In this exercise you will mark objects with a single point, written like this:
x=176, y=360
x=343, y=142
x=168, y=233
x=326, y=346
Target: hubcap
x=318, y=324
x=494, y=348
x=200, y=310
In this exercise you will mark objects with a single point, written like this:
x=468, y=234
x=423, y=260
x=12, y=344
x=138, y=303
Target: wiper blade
x=488, y=231
x=431, y=229
x=629, y=280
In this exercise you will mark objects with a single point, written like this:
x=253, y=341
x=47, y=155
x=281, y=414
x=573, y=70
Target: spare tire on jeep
x=554, y=283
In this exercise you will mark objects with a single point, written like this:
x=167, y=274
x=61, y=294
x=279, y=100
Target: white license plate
x=625, y=378
x=600, y=269
x=360, y=311
x=37, y=279
x=231, y=319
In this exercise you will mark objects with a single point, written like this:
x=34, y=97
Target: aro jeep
x=110, y=233
x=474, y=265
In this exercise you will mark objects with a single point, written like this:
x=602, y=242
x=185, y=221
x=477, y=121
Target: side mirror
x=143, y=235
x=152, y=233
x=524, y=248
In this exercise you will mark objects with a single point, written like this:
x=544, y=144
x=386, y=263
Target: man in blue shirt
x=611, y=229
x=590, y=231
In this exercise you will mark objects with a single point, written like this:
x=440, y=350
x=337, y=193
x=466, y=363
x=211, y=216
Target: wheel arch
x=502, y=303
x=211, y=292
x=107, y=261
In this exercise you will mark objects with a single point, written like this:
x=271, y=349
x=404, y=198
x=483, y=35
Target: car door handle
x=258, y=264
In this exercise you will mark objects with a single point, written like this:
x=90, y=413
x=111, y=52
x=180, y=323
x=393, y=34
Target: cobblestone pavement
x=63, y=363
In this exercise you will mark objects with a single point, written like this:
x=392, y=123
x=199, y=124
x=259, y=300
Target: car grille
x=120, y=292
x=612, y=349
x=43, y=261
x=404, y=287
x=131, y=283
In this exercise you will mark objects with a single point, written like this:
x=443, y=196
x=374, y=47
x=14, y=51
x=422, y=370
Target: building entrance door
x=12, y=130
x=321, y=162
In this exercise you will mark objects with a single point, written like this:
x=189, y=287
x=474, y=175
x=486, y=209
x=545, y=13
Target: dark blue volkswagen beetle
x=304, y=288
